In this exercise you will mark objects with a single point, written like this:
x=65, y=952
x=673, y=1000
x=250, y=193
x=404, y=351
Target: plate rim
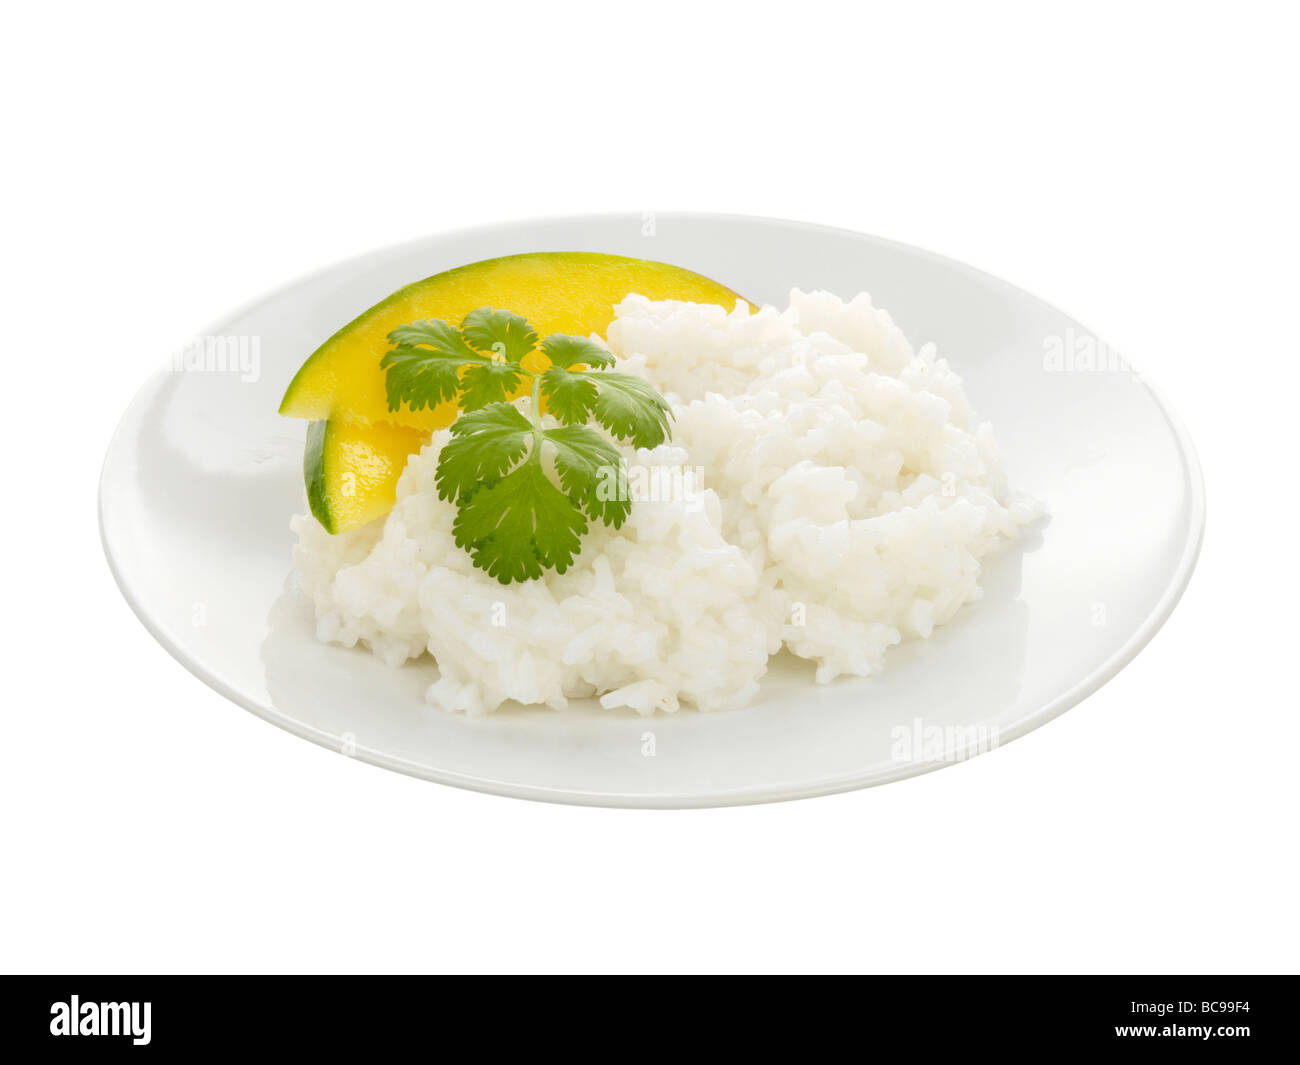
x=840, y=783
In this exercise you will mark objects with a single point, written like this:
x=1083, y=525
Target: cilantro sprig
x=524, y=491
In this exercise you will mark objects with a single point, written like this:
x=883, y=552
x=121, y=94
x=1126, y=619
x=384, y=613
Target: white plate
x=202, y=477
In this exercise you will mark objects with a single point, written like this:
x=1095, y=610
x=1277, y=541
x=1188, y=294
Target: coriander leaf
x=484, y=445
x=568, y=351
x=591, y=472
x=424, y=368
x=418, y=378
x=629, y=407
x=489, y=382
x=503, y=332
x=436, y=334
x=500, y=467
x=570, y=397
x=519, y=525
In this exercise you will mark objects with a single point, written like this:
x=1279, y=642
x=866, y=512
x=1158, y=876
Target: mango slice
x=351, y=469
x=558, y=292
x=357, y=447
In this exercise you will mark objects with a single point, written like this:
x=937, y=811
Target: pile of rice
x=834, y=494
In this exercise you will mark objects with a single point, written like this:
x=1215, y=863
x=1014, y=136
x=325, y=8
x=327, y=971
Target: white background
x=1134, y=164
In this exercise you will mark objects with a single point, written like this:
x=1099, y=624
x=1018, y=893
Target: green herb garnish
x=513, y=516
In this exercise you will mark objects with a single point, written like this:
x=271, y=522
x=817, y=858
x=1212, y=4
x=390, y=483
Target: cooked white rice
x=844, y=495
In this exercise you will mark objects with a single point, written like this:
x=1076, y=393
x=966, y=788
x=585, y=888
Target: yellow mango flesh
x=351, y=469
x=558, y=292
